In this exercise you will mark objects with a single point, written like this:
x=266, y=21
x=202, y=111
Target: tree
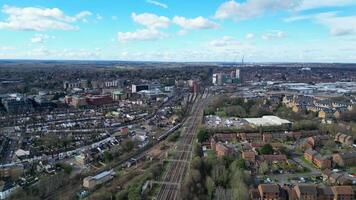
x=263, y=169
x=127, y=145
x=266, y=149
x=235, y=111
x=134, y=193
x=66, y=167
x=203, y=135
x=220, y=175
x=196, y=176
x=198, y=150
x=237, y=165
x=210, y=187
x=107, y=157
x=305, y=125
x=238, y=184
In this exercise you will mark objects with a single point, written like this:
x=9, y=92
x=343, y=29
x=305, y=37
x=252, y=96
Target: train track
x=173, y=176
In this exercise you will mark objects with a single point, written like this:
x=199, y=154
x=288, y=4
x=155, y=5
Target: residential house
x=250, y=137
x=344, y=139
x=325, y=193
x=322, y=162
x=343, y=193
x=317, y=140
x=249, y=156
x=306, y=192
x=222, y=149
x=269, y=191
x=91, y=182
x=345, y=159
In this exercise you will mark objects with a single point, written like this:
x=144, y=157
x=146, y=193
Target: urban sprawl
x=111, y=130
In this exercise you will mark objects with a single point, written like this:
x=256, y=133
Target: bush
x=203, y=135
x=266, y=149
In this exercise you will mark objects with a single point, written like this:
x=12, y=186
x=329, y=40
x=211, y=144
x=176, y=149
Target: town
x=178, y=100
x=93, y=138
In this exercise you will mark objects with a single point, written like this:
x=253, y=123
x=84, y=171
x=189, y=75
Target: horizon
x=262, y=31
x=154, y=61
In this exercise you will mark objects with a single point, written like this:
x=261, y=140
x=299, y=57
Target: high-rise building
x=237, y=75
x=215, y=79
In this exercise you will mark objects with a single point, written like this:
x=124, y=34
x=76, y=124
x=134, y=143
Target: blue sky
x=169, y=30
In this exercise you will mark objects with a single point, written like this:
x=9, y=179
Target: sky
x=179, y=30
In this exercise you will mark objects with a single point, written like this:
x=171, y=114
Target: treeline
x=216, y=178
x=225, y=106
x=46, y=187
x=349, y=116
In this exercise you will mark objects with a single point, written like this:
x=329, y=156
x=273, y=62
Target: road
x=178, y=167
x=283, y=178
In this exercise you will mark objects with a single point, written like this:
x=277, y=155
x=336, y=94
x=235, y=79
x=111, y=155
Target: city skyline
x=166, y=30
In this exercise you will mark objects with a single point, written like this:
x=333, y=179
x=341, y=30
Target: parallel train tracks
x=173, y=177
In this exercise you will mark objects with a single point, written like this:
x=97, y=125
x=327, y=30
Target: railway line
x=174, y=175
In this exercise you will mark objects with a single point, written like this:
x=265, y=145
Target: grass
x=307, y=161
x=351, y=170
x=210, y=153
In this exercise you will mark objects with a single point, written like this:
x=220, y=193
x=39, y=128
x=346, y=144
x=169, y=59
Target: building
x=6, y=188
x=113, y=83
x=17, y=104
x=318, y=140
x=138, y=88
x=322, y=162
x=325, y=193
x=14, y=171
x=345, y=159
x=269, y=191
x=268, y=121
x=91, y=182
x=344, y=139
x=237, y=74
x=98, y=100
x=118, y=95
x=70, y=85
x=222, y=149
x=343, y=193
x=309, y=192
x=249, y=156
x=302, y=192
x=78, y=101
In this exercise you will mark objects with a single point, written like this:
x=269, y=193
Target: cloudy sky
x=170, y=30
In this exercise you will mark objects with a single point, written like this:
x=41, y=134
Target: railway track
x=174, y=175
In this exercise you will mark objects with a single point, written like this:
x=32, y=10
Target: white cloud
x=141, y=35
x=273, y=35
x=99, y=17
x=7, y=48
x=40, y=38
x=45, y=53
x=195, y=23
x=297, y=18
x=252, y=8
x=311, y=4
x=157, y=3
x=39, y=52
x=249, y=36
x=226, y=41
x=39, y=19
x=151, y=20
x=182, y=32
x=338, y=25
